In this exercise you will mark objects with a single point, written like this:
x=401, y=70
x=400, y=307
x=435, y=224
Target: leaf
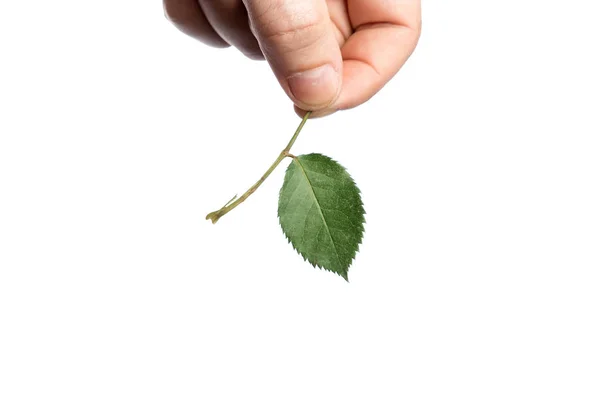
x=321, y=212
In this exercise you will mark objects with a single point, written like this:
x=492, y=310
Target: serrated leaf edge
x=361, y=227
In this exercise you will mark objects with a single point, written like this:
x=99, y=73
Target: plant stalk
x=216, y=215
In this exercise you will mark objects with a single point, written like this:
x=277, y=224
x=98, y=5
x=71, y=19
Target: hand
x=328, y=55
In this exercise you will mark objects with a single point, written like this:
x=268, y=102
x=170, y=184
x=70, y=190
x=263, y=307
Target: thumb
x=298, y=41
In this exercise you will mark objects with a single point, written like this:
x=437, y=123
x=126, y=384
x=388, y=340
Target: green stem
x=216, y=215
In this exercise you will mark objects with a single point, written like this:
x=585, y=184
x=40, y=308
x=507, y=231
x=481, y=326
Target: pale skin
x=327, y=55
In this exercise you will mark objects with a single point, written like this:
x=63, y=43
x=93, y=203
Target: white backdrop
x=480, y=171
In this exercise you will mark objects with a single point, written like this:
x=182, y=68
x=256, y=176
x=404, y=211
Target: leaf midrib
x=312, y=191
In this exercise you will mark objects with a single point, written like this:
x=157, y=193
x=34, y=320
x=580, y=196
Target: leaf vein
x=320, y=212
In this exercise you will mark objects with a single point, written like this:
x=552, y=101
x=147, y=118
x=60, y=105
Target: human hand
x=328, y=55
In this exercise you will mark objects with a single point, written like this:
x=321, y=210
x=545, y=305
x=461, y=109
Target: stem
x=216, y=215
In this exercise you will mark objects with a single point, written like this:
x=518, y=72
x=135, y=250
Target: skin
x=327, y=55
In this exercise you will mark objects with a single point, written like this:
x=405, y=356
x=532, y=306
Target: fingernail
x=316, y=87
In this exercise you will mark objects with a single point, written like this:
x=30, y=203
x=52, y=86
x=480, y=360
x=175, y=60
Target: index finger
x=385, y=35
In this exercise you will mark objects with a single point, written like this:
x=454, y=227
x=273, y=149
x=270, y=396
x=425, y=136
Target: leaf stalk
x=216, y=215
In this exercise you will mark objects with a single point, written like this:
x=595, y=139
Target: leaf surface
x=321, y=212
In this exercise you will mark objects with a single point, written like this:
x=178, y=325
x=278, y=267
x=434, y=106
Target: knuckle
x=251, y=49
x=176, y=14
x=171, y=12
x=254, y=56
x=291, y=32
x=418, y=30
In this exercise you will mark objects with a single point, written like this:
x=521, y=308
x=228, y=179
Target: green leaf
x=321, y=212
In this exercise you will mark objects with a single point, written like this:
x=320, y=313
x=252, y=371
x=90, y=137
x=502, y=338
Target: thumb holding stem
x=297, y=40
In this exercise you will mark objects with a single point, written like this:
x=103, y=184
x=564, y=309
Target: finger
x=338, y=14
x=386, y=33
x=230, y=20
x=188, y=17
x=297, y=39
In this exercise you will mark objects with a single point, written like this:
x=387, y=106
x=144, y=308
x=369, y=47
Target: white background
x=479, y=165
